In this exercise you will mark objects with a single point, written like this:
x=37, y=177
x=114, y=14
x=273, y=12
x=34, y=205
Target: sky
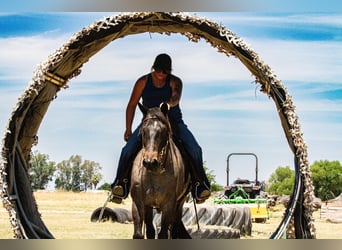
x=221, y=104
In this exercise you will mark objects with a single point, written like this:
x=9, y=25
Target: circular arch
x=53, y=74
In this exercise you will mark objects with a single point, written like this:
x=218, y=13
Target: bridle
x=162, y=155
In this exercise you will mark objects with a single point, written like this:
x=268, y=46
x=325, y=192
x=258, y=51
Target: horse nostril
x=150, y=162
x=154, y=162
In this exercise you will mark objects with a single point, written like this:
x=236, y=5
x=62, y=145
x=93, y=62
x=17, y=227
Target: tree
x=105, y=186
x=63, y=176
x=90, y=172
x=95, y=179
x=327, y=178
x=211, y=178
x=75, y=174
x=281, y=181
x=41, y=170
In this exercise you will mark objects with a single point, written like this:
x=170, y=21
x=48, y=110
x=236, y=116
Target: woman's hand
x=127, y=134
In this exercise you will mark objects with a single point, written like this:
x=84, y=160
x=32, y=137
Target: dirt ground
x=67, y=216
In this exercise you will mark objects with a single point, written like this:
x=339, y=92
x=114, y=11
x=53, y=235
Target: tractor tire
x=119, y=215
x=106, y=216
x=211, y=233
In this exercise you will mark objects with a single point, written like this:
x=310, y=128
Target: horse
x=160, y=179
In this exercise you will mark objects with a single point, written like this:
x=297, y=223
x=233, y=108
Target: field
x=67, y=216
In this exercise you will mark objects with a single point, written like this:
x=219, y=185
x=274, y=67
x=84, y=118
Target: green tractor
x=247, y=193
x=249, y=189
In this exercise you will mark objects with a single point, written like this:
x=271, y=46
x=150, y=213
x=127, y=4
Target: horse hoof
x=138, y=237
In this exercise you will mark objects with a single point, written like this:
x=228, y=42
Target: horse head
x=155, y=133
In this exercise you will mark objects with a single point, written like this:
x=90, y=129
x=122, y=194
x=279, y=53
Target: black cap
x=162, y=62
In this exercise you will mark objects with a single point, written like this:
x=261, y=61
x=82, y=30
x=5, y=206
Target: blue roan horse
x=159, y=179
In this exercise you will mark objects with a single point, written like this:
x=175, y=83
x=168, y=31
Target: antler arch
x=54, y=74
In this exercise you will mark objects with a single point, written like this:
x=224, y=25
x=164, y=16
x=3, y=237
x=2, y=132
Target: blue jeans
x=182, y=133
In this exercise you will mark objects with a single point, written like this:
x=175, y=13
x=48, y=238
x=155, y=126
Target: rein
x=163, y=155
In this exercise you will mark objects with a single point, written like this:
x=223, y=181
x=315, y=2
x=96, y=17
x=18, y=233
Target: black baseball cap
x=163, y=62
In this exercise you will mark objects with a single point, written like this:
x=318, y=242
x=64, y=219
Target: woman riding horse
x=157, y=87
x=160, y=179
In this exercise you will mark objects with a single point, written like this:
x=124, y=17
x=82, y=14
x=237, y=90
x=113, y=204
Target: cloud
x=123, y=59
x=221, y=104
x=302, y=61
x=21, y=55
x=285, y=26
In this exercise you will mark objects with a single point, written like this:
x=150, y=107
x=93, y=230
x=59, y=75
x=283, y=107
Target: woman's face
x=160, y=74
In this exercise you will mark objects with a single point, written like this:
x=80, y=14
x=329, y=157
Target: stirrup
x=120, y=191
x=117, y=194
x=115, y=199
x=202, y=195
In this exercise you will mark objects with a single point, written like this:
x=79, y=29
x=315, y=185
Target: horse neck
x=173, y=151
x=166, y=152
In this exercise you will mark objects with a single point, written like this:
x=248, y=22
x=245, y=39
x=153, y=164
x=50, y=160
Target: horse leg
x=164, y=227
x=178, y=229
x=150, y=231
x=168, y=215
x=138, y=220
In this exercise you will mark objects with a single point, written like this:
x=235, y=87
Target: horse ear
x=164, y=107
x=142, y=108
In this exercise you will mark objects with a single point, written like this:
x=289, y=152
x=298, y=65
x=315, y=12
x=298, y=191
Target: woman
x=157, y=87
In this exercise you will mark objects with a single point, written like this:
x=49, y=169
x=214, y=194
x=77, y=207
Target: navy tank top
x=153, y=96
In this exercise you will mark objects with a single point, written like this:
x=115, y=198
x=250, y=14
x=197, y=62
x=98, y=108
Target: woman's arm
x=176, y=87
x=132, y=104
